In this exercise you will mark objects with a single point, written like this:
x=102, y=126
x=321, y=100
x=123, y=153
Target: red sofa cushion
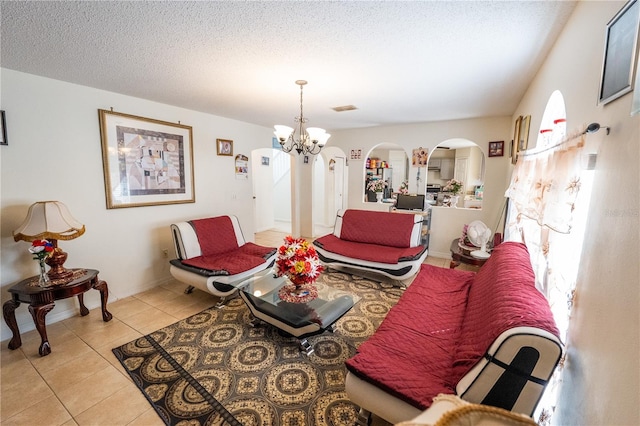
x=381, y=228
x=366, y=251
x=501, y=292
x=215, y=235
x=411, y=353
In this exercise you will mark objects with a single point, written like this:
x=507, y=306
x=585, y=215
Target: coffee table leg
x=454, y=264
x=9, y=313
x=102, y=287
x=306, y=347
x=39, y=313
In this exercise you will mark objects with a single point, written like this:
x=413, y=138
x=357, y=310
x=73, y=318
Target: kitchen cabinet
x=446, y=169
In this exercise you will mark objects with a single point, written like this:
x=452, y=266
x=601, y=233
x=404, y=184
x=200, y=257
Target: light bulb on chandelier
x=308, y=141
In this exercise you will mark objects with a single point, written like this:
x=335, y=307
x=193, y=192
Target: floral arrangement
x=454, y=186
x=41, y=249
x=298, y=261
x=404, y=187
x=377, y=185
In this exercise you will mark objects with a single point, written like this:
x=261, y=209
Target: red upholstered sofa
x=383, y=242
x=212, y=254
x=489, y=337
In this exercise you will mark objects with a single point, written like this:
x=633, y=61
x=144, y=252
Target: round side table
x=41, y=301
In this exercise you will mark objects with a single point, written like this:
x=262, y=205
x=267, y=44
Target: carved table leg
x=454, y=264
x=83, y=309
x=104, y=295
x=9, y=313
x=39, y=313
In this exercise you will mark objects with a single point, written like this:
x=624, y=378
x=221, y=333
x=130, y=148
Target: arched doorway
x=459, y=159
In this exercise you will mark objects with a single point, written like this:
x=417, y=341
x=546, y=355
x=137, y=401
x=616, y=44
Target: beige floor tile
x=70, y=422
x=148, y=418
x=15, y=372
x=86, y=393
x=74, y=371
x=106, y=333
x=26, y=393
x=127, y=307
x=175, y=286
x=150, y=320
x=156, y=296
x=56, y=332
x=61, y=353
x=48, y=412
x=121, y=408
x=7, y=355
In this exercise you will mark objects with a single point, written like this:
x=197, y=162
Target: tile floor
x=81, y=382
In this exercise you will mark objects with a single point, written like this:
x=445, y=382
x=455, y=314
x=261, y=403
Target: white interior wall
x=54, y=153
x=446, y=223
x=602, y=377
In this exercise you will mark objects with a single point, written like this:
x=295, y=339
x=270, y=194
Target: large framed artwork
x=146, y=162
x=621, y=39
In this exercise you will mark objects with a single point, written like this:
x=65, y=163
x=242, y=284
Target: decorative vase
x=379, y=196
x=43, y=281
x=454, y=201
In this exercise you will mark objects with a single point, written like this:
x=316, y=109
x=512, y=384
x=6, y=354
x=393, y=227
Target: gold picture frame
x=146, y=162
x=516, y=139
x=224, y=147
x=523, y=142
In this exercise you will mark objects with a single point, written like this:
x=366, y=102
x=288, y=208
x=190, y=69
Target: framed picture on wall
x=3, y=129
x=224, y=147
x=621, y=38
x=516, y=139
x=146, y=162
x=523, y=142
x=496, y=149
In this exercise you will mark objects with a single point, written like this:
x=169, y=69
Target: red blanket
x=503, y=296
x=365, y=251
x=380, y=228
x=215, y=235
x=233, y=262
x=411, y=353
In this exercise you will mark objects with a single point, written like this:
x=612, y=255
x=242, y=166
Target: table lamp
x=50, y=220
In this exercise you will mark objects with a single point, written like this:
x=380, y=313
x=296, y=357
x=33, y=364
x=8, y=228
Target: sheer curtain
x=548, y=202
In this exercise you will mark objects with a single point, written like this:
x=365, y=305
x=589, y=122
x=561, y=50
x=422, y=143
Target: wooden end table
x=458, y=256
x=41, y=301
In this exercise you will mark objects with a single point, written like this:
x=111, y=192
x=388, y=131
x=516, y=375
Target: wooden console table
x=41, y=301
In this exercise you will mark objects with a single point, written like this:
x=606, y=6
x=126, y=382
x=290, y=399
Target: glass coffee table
x=300, y=320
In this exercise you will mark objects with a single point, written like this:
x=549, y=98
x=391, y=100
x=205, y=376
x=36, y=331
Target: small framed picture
x=496, y=149
x=3, y=129
x=621, y=38
x=224, y=147
x=265, y=161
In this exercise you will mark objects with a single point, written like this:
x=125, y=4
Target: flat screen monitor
x=410, y=202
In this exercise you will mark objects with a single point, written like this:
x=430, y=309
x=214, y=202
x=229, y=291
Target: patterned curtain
x=545, y=184
x=547, y=211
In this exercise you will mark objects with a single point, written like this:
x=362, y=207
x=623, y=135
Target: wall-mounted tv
x=410, y=202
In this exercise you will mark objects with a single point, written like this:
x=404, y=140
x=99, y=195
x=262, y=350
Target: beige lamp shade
x=48, y=220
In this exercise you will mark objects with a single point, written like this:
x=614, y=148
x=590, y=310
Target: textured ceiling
x=397, y=62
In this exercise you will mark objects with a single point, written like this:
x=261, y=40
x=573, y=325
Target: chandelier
x=307, y=141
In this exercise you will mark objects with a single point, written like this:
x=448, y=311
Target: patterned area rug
x=214, y=368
